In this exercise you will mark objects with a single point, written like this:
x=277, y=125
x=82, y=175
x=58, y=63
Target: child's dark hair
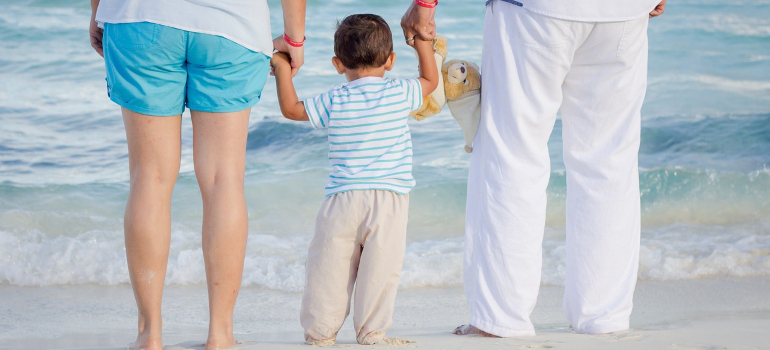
x=363, y=41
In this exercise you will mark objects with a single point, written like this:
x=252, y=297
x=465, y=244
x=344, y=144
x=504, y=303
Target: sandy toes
x=325, y=342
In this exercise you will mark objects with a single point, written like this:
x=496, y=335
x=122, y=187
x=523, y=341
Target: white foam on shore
x=98, y=257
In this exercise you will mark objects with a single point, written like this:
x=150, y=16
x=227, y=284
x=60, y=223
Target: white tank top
x=246, y=22
x=589, y=10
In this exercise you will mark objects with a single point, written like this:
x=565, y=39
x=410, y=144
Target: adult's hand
x=296, y=54
x=658, y=10
x=418, y=21
x=96, y=35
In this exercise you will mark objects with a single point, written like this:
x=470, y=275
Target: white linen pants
x=596, y=72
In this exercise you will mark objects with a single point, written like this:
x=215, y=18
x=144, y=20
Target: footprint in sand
x=535, y=346
x=626, y=337
x=619, y=337
x=395, y=341
x=697, y=347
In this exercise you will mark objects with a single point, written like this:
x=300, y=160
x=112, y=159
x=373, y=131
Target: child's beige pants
x=360, y=238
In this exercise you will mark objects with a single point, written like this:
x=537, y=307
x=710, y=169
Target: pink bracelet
x=292, y=42
x=426, y=4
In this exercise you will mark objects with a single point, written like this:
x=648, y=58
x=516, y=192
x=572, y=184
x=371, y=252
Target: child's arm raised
x=428, y=70
x=291, y=107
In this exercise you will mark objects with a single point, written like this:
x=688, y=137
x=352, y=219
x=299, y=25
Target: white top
x=246, y=22
x=370, y=147
x=589, y=10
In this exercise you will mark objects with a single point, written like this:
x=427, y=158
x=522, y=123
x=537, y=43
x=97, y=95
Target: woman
x=212, y=57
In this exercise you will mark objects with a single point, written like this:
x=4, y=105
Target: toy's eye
x=465, y=81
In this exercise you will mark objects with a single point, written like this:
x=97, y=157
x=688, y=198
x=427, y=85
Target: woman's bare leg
x=219, y=148
x=153, y=158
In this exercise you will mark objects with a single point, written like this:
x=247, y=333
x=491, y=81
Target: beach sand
x=699, y=314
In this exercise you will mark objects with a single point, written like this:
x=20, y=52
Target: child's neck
x=358, y=73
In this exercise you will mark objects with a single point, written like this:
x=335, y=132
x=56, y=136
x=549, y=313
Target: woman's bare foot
x=221, y=343
x=144, y=342
x=467, y=329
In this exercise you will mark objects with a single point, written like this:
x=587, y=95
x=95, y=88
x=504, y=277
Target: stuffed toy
x=462, y=88
x=434, y=102
x=461, y=82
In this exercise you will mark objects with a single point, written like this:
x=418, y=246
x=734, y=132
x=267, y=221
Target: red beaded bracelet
x=426, y=4
x=292, y=42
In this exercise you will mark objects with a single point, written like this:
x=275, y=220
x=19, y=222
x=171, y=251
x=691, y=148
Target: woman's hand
x=96, y=35
x=418, y=21
x=296, y=54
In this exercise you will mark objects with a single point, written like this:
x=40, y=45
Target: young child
x=360, y=231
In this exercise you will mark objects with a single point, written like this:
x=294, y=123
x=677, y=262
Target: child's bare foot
x=381, y=339
x=468, y=329
x=322, y=342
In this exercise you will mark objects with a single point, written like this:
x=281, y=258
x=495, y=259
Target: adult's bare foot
x=221, y=343
x=145, y=343
x=468, y=329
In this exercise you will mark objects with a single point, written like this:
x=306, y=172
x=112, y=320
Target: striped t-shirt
x=370, y=147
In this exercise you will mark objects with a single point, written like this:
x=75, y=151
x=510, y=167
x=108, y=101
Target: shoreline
x=732, y=313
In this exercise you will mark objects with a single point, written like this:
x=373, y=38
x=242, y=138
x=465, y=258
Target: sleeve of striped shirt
x=317, y=109
x=413, y=91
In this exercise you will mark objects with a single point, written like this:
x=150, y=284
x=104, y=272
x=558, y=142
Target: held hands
x=658, y=10
x=296, y=55
x=418, y=22
x=281, y=62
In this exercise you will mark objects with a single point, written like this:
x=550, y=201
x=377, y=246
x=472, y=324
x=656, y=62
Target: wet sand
x=692, y=314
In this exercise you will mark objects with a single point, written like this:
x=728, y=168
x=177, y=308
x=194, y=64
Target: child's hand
x=420, y=44
x=280, y=62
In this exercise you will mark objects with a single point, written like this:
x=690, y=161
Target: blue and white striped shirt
x=370, y=147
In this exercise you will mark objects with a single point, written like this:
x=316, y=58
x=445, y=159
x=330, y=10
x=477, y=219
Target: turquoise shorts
x=158, y=70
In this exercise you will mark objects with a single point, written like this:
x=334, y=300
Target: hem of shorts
x=224, y=109
x=369, y=189
x=145, y=111
x=268, y=53
x=499, y=331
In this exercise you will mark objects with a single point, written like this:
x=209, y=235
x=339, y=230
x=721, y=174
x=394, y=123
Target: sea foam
x=98, y=257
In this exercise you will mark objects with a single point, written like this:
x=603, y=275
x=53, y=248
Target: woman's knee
x=155, y=175
x=212, y=181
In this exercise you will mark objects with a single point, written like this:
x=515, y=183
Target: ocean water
x=704, y=160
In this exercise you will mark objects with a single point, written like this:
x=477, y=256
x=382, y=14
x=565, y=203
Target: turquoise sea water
x=704, y=159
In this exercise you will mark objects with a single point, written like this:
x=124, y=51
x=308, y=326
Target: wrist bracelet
x=426, y=4
x=292, y=42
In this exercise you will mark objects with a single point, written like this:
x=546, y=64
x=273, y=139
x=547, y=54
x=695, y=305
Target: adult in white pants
x=588, y=59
